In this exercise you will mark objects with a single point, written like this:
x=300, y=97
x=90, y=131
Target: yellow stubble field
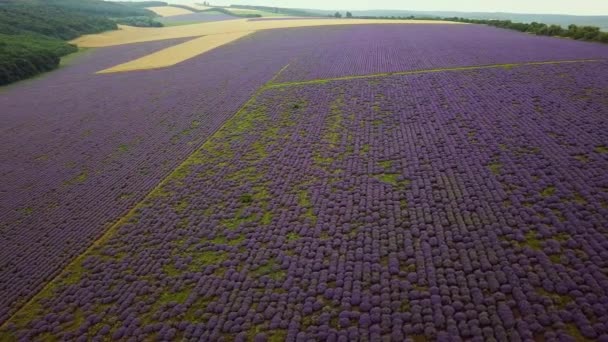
x=168, y=11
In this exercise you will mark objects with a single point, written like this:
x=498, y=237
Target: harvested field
x=168, y=11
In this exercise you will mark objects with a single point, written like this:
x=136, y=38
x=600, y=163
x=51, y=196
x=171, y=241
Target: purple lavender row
x=451, y=206
x=360, y=50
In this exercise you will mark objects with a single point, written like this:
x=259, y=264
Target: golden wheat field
x=168, y=11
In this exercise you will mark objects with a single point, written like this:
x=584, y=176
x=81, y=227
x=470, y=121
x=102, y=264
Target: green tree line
x=587, y=33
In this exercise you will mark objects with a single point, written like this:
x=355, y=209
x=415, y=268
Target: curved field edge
x=235, y=125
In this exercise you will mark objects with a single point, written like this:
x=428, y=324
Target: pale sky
x=574, y=7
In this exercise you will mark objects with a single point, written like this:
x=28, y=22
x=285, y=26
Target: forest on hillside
x=34, y=33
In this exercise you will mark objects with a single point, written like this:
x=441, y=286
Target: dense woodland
x=33, y=33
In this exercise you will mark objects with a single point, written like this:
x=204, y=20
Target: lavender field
x=420, y=182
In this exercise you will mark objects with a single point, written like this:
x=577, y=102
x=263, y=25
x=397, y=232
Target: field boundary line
x=427, y=71
x=128, y=213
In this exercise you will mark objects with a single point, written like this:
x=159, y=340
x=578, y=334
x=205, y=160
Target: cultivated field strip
x=452, y=205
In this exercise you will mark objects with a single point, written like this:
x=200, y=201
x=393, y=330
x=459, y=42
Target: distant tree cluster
x=143, y=4
x=588, y=33
x=26, y=55
x=33, y=33
x=140, y=21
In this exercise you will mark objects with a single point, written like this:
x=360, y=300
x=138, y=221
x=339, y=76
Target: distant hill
x=600, y=21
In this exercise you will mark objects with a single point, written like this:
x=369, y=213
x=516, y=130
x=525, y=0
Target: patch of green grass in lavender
x=222, y=240
x=555, y=258
x=558, y=300
x=237, y=220
x=293, y=236
x=79, y=179
x=365, y=149
x=259, y=150
x=266, y=218
x=77, y=321
x=26, y=211
x=320, y=160
x=304, y=202
x=206, y=258
x=183, y=223
x=386, y=164
x=181, y=205
x=574, y=332
x=277, y=335
x=260, y=193
x=578, y=198
x=255, y=330
x=270, y=269
x=419, y=338
x=201, y=304
x=334, y=121
x=582, y=158
x=548, y=191
x=495, y=167
x=123, y=148
x=602, y=149
x=532, y=241
x=389, y=178
x=562, y=237
x=250, y=173
x=177, y=297
x=170, y=270
x=246, y=198
x=125, y=195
